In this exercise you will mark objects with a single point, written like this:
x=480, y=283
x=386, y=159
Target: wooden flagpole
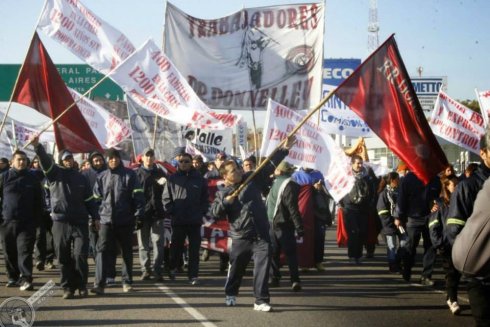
x=294, y=131
x=68, y=108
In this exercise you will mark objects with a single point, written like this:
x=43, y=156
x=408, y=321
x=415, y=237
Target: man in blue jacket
x=121, y=210
x=185, y=199
x=21, y=208
x=71, y=203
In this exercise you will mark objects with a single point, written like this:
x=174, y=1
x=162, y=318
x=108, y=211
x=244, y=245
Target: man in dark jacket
x=71, y=203
x=413, y=207
x=356, y=206
x=44, y=247
x=97, y=166
x=284, y=218
x=249, y=227
x=21, y=208
x=153, y=179
x=121, y=209
x=185, y=199
x=460, y=209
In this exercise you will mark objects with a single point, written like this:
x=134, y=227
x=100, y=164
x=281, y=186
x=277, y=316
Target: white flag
x=484, y=101
x=153, y=82
x=87, y=36
x=313, y=149
x=240, y=60
x=456, y=123
x=107, y=128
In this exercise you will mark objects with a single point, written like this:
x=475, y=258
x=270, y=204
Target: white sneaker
x=454, y=307
x=265, y=307
x=127, y=288
x=230, y=301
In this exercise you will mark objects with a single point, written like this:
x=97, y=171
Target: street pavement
x=343, y=295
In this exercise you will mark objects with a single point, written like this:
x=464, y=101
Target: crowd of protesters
x=54, y=210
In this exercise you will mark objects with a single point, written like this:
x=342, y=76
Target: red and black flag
x=41, y=87
x=381, y=93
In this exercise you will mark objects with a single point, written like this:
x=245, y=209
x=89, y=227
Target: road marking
x=190, y=310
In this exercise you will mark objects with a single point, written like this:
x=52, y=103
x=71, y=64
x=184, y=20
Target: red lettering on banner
x=144, y=82
x=162, y=62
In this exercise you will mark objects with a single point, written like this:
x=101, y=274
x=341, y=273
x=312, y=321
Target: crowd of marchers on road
x=54, y=213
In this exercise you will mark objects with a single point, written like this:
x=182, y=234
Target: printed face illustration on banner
x=241, y=60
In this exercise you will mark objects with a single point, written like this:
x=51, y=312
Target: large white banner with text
x=241, y=60
x=87, y=36
x=153, y=82
x=456, y=123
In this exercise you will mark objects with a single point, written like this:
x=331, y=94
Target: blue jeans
x=394, y=242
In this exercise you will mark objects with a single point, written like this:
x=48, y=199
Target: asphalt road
x=344, y=295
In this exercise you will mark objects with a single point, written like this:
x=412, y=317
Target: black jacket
x=71, y=197
x=20, y=197
x=120, y=195
x=287, y=215
x=247, y=214
x=386, y=210
x=185, y=198
x=463, y=199
x=437, y=226
x=416, y=199
x=367, y=203
x=153, y=182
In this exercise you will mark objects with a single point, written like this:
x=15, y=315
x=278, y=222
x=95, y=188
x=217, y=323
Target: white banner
x=241, y=136
x=484, y=101
x=23, y=133
x=209, y=142
x=241, y=60
x=456, y=123
x=337, y=118
x=87, y=36
x=168, y=134
x=154, y=83
x=313, y=149
x=6, y=143
x=107, y=128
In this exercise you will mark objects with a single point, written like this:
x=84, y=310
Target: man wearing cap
x=71, y=203
x=21, y=208
x=284, y=218
x=153, y=179
x=185, y=200
x=97, y=166
x=121, y=210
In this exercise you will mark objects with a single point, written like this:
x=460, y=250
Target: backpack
x=471, y=249
x=359, y=192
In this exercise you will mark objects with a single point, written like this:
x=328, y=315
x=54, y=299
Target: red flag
x=381, y=93
x=40, y=87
